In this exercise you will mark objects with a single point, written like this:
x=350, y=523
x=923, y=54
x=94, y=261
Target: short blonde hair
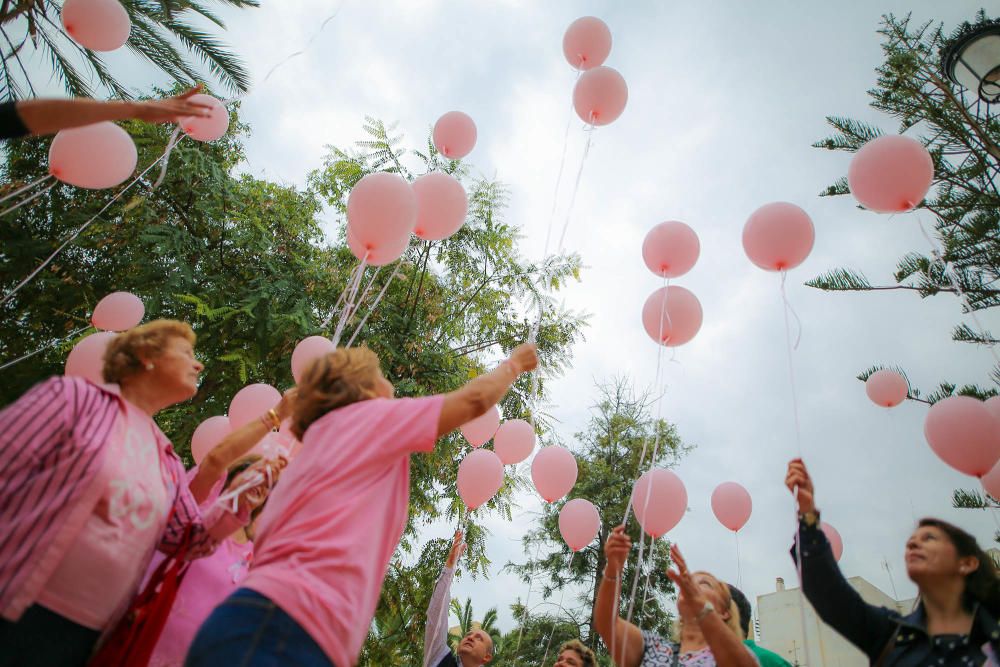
x=342, y=377
x=123, y=356
x=577, y=646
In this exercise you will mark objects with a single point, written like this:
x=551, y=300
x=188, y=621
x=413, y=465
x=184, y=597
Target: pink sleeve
x=405, y=425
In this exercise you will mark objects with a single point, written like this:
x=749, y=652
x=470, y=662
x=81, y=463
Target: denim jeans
x=248, y=630
x=43, y=638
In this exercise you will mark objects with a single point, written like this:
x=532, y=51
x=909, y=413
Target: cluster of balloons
x=383, y=209
x=600, y=94
x=118, y=311
x=248, y=404
x=103, y=155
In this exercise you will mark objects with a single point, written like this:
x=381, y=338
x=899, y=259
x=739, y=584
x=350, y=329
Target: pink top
x=103, y=565
x=206, y=584
x=330, y=527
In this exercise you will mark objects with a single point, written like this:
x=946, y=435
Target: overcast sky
x=725, y=99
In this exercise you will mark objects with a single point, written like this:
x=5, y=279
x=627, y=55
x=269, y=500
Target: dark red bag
x=132, y=641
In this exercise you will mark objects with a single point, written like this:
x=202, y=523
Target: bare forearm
x=726, y=646
x=476, y=397
x=50, y=116
x=233, y=447
x=623, y=639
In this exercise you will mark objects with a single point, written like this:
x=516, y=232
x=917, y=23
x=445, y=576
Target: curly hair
x=575, y=645
x=342, y=377
x=982, y=585
x=123, y=356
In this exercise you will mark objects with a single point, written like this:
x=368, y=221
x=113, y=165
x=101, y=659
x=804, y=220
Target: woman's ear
x=968, y=564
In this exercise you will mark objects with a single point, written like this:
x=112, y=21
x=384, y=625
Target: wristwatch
x=810, y=519
x=705, y=611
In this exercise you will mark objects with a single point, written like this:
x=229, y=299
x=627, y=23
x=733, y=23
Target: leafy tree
x=467, y=622
x=539, y=634
x=607, y=453
x=162, y=35
x=963, y=137
x=247, y=263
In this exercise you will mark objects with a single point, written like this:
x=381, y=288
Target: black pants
x=43, y=638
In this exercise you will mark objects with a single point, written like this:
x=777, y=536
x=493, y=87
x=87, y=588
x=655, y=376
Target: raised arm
x=866, y=626
x=48, y=116
x=478, y=395
x=727, y=647
x=624, y=640
x=436, y=631
x=236, y=445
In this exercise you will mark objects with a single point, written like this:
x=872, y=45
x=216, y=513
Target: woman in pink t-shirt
x=89, y=488
x=331, y=526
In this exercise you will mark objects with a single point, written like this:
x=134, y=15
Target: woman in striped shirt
x=89, y=488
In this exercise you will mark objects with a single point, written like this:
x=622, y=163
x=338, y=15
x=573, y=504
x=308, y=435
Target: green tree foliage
x=248, y=263
x=165, y=33
x=607, y=453
x=963, y=137
x=467, y=621
x=544, y=628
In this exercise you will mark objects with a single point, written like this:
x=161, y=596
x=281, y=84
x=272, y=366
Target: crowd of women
x=287, y=559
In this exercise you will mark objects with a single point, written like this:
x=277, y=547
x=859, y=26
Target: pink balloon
x=308, y=350
x=579, y=523
x=993, y=405
x=672, y=315
x=86, y=359
x=118, y=311
x=964, y=434
x=481, y=429
x=455, y=135
x=98, y=25
x=441, y=206
x=778, y=236
x=380, y=256
x=251, y=402
x=667, y=501
x=95, y=156
x=207, y=128
x=732, y=505
x=587, y=42
x=600, y=96
x=836, y=543
x=991, y=481
x=891, y=174
x=480, y=475
x=670, y=249
x=514, y=441
x=887, y=388
x=208, y=434
x=381, y=211
x=554, y=472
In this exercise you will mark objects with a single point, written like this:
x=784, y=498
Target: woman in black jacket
x=955, y=622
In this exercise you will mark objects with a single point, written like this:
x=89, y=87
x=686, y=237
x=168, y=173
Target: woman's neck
x=143, y=397
x=240, y=536
x=691, y=637
x=944, y=610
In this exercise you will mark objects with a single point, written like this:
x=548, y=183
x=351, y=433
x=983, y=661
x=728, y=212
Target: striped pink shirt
x=53, y=441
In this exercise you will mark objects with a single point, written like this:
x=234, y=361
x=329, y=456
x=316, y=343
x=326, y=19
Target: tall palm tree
x=465, y=622
x=161, y=34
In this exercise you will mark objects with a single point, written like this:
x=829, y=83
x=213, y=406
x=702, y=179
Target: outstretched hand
x=171, y=109
x=457, y=549
x=799, y=482
x=616, y=549
x=524, y=358
x=690, y=598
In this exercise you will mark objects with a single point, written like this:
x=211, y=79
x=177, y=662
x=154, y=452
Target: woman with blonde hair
x=574, y=654
x=325, y=540
x=709, y=620
x=89, y=488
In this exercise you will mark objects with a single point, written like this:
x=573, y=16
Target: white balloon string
x=371, y=310
x=562, y=593
x=231, y=498
x=739, y=566
x=44, y=347
x=171, y=143
x=576, y=188
x=303, y=49
x=28, y=199
x=79, y=230
x=790, y=310
x=527, y=599
x=651, y=565
x=791, y=366
x=340, y=299
x=952, y=275
x=349, y=303
x=638, y=572
x=562, y=164
x=25, y=187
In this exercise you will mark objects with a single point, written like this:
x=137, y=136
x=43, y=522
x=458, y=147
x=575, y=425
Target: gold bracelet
x=275, y=420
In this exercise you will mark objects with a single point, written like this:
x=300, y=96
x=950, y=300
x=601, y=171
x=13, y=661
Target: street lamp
x=971, y=59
